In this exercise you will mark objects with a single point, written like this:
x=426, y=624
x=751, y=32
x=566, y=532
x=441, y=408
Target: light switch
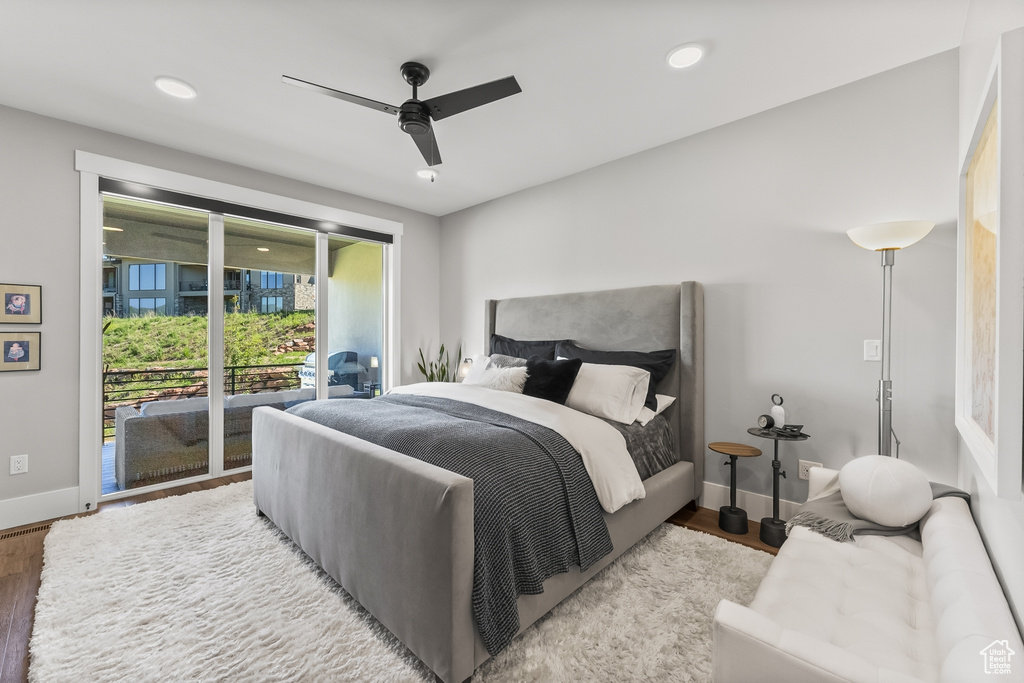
x=872, y=349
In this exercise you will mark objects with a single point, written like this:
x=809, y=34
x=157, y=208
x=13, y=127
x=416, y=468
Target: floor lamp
x=887, y=238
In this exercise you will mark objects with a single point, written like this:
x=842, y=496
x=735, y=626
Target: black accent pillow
x=658, y=363
x=551, y=379
x=523, y=349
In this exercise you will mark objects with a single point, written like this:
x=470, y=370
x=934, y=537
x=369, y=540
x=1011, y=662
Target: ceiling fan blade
x=428, y=147
x=348, y=97
x=461, y=100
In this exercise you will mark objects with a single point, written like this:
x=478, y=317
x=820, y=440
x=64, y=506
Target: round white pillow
x=885, y=490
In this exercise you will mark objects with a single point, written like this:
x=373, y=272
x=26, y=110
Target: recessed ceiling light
x=262, y=249
x=685, y=55
x=428, y=173
x=107, y=227
x=175, y=87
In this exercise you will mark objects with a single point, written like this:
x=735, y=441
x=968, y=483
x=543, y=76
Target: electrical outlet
x=805, y=468
x=19, y=464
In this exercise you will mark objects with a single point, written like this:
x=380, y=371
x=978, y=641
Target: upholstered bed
x=398, y=533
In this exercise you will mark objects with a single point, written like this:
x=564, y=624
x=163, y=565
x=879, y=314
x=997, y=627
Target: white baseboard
x=38, y=508
x=757, y=505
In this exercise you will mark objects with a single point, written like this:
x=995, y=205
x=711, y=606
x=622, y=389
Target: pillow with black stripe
x=658, y=363
x=523, y=349
x=551, y=380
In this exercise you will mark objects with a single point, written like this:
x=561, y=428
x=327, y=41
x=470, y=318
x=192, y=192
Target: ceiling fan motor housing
x=414, y=118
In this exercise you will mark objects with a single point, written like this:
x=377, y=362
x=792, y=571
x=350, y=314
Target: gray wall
x=757, y=210
x=39, y=192
x=1001, y=521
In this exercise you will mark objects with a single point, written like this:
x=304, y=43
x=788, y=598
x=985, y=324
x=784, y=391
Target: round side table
x=732, y=519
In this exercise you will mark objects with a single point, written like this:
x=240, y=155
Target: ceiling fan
x=414, y=116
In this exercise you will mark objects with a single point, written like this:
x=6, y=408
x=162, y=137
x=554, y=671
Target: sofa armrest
x=819, y=479
x=121, y=415
x=749, y=646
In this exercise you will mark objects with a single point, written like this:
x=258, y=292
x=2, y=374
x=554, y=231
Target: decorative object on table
x=778, y=413
x=443, y=369
x=374, y=385
x=789, y=430
x=20, y=351
x=765, y=421
x=773, y=529
x=21, y=304
x=731, y=518
x=887, y=238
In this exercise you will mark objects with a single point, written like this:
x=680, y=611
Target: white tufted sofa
x=879, y=610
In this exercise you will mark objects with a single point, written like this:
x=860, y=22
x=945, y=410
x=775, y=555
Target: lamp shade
x=895, y=235
x=374, y=363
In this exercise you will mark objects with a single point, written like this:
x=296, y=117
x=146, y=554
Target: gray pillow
x=500, y=360
x=523, y=349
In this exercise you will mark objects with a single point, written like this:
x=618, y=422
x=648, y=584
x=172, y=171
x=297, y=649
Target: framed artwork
x=20, y=351
x=990, y=306
x=21, y=304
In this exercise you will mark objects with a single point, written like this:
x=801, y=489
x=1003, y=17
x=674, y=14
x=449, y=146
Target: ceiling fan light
x=685, y=55
x=175, y=87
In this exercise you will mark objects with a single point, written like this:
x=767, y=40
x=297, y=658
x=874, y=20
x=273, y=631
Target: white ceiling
x=595, y=83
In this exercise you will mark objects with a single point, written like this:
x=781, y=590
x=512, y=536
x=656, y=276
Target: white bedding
x=602, y=447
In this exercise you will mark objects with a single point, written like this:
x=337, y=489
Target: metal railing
x=136, y=387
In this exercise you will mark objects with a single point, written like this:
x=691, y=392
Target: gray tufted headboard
x=634, y=319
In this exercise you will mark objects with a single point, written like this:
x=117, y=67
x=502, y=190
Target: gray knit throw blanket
x=830, y=517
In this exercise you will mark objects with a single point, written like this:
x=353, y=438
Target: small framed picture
x=20, y=351
x=21, y=304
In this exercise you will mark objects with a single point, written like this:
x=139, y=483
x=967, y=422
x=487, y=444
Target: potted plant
x=443, y=369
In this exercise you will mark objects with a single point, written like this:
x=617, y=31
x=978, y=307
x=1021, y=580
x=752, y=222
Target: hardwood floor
x=21, y=564
x=706, y=520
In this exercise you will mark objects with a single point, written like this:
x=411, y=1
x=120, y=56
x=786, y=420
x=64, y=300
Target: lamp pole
x=887, y=238
x=885, y=383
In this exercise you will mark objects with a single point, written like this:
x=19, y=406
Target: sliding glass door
x=208, y=316
x=154, y=344
x=269, y=325
x=355, y=301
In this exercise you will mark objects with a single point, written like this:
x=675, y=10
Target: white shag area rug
x=198, y=588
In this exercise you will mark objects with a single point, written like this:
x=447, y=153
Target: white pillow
x=502, y=379
x=646, y=414
x=476, y=369
x=614, y=392
x=885, y=490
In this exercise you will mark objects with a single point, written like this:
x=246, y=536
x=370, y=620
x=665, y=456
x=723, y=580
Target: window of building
x=271, y=304
x=147, y=306
x=147, y=276
x=271, y=280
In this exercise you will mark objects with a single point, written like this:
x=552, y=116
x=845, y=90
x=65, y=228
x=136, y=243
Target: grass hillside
x=180, y=341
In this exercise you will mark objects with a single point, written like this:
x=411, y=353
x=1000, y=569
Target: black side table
x=773, y=529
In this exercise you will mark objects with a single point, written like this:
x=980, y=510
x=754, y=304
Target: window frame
x=326, y=219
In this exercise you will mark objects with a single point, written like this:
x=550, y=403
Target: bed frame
x=397, y=533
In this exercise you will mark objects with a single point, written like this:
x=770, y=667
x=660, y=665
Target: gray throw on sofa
x=535, y=509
